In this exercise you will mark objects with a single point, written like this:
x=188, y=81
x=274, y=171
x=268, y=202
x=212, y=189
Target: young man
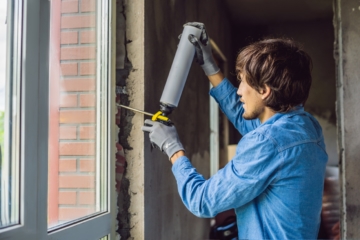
x=275, y=180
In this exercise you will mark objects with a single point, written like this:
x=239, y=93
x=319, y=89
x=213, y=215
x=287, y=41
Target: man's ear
x=265, y=92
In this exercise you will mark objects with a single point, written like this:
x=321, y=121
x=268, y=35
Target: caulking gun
x=177, y=77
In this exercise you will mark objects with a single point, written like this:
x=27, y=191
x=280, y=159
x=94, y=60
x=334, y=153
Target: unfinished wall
x=347, y=53
x=165, y=215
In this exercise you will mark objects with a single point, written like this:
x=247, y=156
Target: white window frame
x=34, y=87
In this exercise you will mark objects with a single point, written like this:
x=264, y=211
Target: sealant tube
x=180, y=68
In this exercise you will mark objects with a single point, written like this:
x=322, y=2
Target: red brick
x=88, y=5
x=67, y=165
x=87, y=198
x=74, y=213
x=68, y=69
x=69, y=37
x=88, y=68
x=120, y=159
x=87, y=37
x=87, y=132
x=119, y=169
x=69, y=181
x=86, y=116
x=67, y=197
x=78, y=21
x=87, y=165
x=68, y=100
x=78, y=84
x=70, y=6
x=119, y=147
x=77, y=148
x=87, y=100
x=77, y=53
x=67, y=132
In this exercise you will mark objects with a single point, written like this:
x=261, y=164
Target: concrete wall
x=165, y=215
x=347, y=53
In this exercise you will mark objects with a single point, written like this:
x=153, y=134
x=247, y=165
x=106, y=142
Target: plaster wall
x=165, y=215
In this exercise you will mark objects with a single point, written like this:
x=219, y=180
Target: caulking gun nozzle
x=135, y=110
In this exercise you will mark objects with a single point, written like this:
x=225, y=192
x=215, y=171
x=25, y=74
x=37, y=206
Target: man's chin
x=247, y=117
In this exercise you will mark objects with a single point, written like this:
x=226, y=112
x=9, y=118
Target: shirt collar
x=296, y=110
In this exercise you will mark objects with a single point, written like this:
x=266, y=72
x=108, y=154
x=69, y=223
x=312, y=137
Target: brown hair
x=280, y=64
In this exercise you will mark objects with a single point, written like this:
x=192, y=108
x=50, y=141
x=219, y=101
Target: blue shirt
x=275, y=180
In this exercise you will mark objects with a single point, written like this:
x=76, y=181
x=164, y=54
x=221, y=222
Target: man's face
x=252, y=100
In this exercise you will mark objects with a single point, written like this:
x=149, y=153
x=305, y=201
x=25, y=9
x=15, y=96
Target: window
x=57, y=178
x=9, y=117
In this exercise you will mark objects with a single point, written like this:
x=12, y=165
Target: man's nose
x=238, y=92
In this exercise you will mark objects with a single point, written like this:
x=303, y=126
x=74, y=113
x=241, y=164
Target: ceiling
x=262, y=12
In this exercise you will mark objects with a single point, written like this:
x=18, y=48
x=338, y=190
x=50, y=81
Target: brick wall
x=74, y=91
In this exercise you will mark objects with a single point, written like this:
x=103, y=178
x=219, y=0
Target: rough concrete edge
x=338, y=56
x=135, y=39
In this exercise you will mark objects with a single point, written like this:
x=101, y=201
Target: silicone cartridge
x=180, y=68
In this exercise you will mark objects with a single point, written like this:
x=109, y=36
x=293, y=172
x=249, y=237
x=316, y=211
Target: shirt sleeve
x=245, y=177
x=229, y=102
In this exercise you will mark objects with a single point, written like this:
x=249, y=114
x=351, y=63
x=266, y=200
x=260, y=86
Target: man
x=275, y=180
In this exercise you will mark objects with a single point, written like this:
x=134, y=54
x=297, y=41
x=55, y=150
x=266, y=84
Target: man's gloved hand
x=163, y=136
x=203, y=53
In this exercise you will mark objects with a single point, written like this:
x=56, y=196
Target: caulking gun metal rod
x=135, y=110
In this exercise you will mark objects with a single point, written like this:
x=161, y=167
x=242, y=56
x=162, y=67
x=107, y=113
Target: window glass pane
x=9, y=118
x=74, y=165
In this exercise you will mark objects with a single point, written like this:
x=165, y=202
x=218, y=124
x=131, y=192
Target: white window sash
x=34, y=128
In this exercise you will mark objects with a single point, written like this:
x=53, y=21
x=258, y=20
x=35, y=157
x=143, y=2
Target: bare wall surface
x=165, y=215
x=347, y=18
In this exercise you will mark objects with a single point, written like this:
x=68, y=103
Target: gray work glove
x=163, y=136
x=203, y=53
